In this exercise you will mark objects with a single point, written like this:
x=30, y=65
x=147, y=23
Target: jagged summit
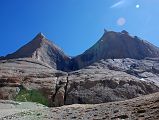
x=40, y=34
x=29, y=49
x=40, y=48
x=116, y=45
x=40, y=38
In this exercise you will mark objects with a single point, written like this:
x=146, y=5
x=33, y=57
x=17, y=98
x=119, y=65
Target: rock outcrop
x=28, y=74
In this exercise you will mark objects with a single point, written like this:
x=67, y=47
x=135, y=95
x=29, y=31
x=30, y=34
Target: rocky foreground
x=141, y=108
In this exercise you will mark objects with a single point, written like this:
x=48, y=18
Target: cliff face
x=116, y=45
x=43, y=50
x=104, y=81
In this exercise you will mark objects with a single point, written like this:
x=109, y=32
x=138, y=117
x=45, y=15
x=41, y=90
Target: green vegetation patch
x=31, y=96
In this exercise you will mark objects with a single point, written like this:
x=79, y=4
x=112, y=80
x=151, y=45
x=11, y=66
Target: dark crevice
x=59, y=85
x=66, y=89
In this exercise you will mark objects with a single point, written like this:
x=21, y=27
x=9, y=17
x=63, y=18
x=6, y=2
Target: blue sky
x=75, y=25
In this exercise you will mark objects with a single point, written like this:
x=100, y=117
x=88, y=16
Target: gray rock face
x=95, y=84
x=116, y=45
x=43, y=50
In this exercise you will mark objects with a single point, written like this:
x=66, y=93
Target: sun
x=137, y=6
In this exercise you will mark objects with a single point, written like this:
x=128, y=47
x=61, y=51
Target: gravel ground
x=141, y=108
x=10, y=108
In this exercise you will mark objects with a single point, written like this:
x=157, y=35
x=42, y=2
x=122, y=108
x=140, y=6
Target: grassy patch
x=31, y=96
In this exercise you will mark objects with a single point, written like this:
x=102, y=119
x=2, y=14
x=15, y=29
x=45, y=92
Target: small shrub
x=31, y=96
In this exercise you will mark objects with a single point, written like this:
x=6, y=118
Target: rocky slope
x=141, y=108
x=116, y=45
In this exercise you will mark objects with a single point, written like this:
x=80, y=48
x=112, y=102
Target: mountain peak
x=39, y=38
x=40, y=35
x=117, y=45
x=40, y=48
x=124, y=31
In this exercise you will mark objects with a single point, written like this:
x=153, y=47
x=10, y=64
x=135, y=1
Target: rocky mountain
x=43, y=50
x=116, y=45
x=118, y=67
x=112, y=45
